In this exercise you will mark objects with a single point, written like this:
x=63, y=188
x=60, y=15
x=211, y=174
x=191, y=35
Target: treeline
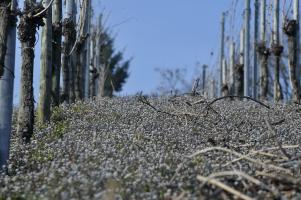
x=73, y=49
x=263, y=62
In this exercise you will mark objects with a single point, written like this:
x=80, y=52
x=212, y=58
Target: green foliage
x=58, y=114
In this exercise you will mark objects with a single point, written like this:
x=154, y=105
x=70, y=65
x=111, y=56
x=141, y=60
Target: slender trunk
x=222, y=41
x=291, y=29
x=239, y=68
x=87, y=54
x=27, y=32
x=232, y=63
x=277, y=50
x=70, y=36
x=263, y=52
x=46, y=67
x=298, y=68
x=225, y=88
x=78, y=71
x=247, y=49
x=7, y=90
x=204, y=79
x=255, y=61
x=56, y=50
x=93, y=70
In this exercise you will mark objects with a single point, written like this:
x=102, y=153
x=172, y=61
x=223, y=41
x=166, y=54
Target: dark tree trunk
x=291, y=30
x=239, y=80
x=264, y=77
x=56, y=50
x=26, y=32
x=264, y=54
x=79, y=72
x=4, y=23
x=70, y=35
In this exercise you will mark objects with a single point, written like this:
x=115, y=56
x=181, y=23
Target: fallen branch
x=145, y=101
x=255, y=161
x=243, y=97
x=224, y=187
x=245, y=176
x=278, y=142
x=260, y=151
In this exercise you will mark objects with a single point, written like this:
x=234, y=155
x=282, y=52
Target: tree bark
x=79, y=71
x=255, y=55
x=222, y=46
x=4, y=24
x=239, y=68
x=46, y=67
x=69, y=33
x=56, y=50
x=247, y=49
x=7, y=89
x=27, y=31
x=263, y=52
x=277, y=50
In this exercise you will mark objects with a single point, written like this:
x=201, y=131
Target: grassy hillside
x=150, y=148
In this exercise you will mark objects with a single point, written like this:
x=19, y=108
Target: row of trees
x=72, y=48
x=272, y=62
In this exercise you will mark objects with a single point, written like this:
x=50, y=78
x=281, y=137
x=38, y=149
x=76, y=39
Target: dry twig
x=224, y=187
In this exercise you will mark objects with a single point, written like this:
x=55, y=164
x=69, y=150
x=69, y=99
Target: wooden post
x=7, y=90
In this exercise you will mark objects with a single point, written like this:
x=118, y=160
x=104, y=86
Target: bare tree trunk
x=263, y=52
x=222, y=41
x=255, y=61
x=7, y=87
x=232, y=66
x=204, y=86
x=86, y=56
x=46, y=67
x=70, y=37
x=56, y=50
x=225, y=88
x=247, y=49
x=102, y=81
x=79, y=71
x=4, y=25
x=277, y=50
x=27, y=32
x=239, y=68
x=291, y=29
x=93, y=70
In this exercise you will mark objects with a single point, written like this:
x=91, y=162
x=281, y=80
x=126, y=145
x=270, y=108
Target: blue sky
x=156, y=34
